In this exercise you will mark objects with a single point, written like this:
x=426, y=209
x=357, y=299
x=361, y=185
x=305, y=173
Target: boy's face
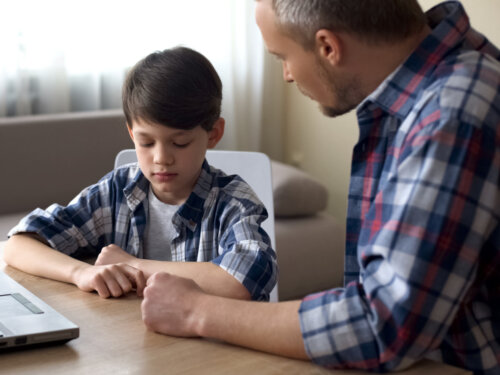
x=171, y=158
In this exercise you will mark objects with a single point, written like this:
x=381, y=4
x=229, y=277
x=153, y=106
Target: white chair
x=253, y=167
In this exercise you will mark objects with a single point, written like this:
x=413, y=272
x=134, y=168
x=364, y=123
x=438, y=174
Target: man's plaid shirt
x=422, y=265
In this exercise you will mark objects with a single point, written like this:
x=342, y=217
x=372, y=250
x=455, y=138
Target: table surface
x=114, y=340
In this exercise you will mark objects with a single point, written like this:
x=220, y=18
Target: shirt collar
x=398, y=93
x=190, y=213
x=136, y=190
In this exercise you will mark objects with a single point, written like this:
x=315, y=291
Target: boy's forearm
x=29, y=254
x=210, y=277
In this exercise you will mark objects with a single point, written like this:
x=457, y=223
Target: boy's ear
x=215, y=135
x=130, y=132
x=329, y=46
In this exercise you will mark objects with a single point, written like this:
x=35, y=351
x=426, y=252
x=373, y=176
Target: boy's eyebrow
x=146, y=134
x=141, y=134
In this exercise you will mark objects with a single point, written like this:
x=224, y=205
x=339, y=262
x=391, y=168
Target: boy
x=170, y=211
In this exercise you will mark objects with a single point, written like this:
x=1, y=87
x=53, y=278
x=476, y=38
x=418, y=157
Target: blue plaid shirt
x=422, y=269
x=219, y=222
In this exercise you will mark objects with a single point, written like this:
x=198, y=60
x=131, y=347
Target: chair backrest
x=253, y=167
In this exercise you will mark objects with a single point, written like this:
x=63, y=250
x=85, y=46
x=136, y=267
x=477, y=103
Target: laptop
x=25, y=320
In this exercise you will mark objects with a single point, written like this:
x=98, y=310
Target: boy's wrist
x=76, y=271
x=136, y=263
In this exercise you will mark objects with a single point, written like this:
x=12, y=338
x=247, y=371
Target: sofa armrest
x=310, y=255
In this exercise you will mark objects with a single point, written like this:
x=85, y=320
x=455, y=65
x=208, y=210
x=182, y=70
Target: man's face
x=170, y=158
x=336, y=92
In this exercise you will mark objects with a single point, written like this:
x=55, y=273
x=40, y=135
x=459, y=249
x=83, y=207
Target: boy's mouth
x=164, y=176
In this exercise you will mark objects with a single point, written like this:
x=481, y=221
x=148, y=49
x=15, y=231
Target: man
x=422, y=260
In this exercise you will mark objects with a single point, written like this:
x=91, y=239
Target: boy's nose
x=162, y=156
x=287, y=76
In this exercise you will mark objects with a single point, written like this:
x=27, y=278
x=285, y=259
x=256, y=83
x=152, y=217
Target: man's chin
x=329, y=111
x=334, y=112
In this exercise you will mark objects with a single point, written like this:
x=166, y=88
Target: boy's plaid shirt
x=220, y=222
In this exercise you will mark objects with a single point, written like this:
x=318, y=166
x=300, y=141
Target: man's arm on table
x=188, y=311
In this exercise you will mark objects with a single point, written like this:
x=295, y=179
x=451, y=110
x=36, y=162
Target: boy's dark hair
x=373, y=21
x=177, y=87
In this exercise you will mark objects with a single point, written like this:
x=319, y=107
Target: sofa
x=50, y=158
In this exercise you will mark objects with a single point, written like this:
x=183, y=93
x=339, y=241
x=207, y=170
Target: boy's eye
x=146, y=144
x=181, y=145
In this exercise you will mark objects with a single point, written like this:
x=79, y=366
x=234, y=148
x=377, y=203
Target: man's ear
x=329, y=46
x=215, y=135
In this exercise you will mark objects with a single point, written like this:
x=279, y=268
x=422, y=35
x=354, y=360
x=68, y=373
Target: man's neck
x=374, y=63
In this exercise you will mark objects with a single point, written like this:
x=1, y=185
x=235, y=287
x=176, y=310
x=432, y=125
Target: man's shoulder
x=466, y=85
x=462, y=68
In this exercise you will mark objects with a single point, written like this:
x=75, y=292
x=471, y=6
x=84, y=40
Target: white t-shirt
x=159, y=231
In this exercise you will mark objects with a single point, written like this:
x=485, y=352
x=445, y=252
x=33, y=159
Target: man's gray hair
x=373, y=21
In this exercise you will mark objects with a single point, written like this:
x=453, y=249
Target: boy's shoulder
x=127, y=178
x=222, y=180
x=124, y=173
x=232, y=186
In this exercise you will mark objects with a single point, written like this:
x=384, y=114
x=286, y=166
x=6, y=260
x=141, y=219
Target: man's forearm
x=268, y=327
x=179, y=307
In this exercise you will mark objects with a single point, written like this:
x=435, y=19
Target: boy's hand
x=110, y=280
x=113, y=254
x=169, y=305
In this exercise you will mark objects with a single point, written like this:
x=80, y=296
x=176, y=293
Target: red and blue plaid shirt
x=422, y=270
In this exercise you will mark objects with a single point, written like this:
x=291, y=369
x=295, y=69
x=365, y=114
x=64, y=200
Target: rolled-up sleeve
x=83, y=224
x=246, y=251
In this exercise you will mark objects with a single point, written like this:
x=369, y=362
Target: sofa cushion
x=295, y=192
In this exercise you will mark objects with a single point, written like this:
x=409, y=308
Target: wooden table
x=113, y=340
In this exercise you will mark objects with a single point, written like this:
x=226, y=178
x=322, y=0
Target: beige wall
x=322, y=146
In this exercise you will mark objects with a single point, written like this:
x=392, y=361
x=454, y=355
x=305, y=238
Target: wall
x=51, y=158
x=322, y=146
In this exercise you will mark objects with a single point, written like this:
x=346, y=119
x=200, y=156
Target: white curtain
x=68, y=56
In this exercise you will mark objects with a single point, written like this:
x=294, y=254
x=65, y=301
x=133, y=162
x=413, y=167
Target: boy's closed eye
x=181, y=144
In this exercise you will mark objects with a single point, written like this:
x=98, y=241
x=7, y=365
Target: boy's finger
x=140, y=283
x=124, y=282
x=113, y=278
x=101, y=288
x=135, y=276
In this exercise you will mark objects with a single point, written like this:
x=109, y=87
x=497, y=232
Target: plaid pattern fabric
x=422, y=268
x=219, y=222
